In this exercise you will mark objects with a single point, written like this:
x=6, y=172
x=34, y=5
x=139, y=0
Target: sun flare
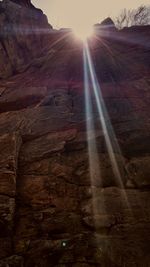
x=83, y=33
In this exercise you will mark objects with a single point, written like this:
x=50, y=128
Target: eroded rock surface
x=53, y=211
x=22, y=39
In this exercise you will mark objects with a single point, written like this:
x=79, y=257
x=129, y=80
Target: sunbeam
x=92, y=147
x=83, y=32
x=109, y=135
x=94, y=163
x=127, y=40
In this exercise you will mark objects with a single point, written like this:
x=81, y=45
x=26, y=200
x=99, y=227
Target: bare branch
x=138, y=16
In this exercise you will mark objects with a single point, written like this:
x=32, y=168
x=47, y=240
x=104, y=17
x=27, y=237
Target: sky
x=78, y=13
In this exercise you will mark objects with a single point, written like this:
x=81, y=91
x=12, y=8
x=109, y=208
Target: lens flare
x=83, y=32
x=94, y=162
x=91, y=138
x=109, y=135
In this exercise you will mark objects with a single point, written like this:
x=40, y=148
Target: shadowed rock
x=53, y=212
x=26, y=3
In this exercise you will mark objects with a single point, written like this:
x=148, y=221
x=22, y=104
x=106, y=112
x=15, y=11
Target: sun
x=83, y=32
x=77, y=15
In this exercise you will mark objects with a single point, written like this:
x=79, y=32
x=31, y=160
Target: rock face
x=26, y=3
x=106, y=24
x=60, y=201
x=24, y=31
x=107, y=21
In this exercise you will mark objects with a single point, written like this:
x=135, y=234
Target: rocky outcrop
x=106, y=25
x=53, y=211
x=108, y=22
x=26, y=3
x=24, y=30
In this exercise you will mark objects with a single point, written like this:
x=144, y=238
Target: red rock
x=10, y=146
x=14, y=99
x=5, y=248
x=42, y=148
x=7, y=210
x=138, y=169
x=51, y=212
x=14, y=261
x=16, y=49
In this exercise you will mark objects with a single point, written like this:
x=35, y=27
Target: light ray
x=109, y=135
x=83, y=32
x=125, y=38
x=94, y=164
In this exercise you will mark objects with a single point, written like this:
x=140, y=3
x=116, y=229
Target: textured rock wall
x=51, y=213
x=23, y=35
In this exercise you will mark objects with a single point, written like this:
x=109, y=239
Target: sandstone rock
x=78, y=171
x=139, y=171
x=36, y=121
x=26, y=3
x=122, y=206
x=10, y=146
x=100, y=222
x=14, y=99
x=43, y=120
x=55, y=208
x=41, y=148
x=10, y=122
x=8, y=183
x=7, y=209
x=40, y=167
x=13, y=261
x=5, y=247
x=44, y=190
x=59, y=98
x=16, y=49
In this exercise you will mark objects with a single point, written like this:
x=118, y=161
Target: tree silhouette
x=131, y=17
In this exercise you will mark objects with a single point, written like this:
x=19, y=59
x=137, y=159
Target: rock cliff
x=51, y=212
x=23, y=35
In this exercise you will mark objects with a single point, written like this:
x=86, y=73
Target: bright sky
x=76, y=13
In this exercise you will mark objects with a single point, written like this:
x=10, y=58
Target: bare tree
x=138, y=16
